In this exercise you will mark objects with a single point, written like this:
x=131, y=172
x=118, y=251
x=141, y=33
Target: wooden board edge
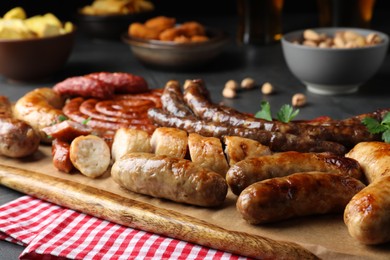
x=143, y=216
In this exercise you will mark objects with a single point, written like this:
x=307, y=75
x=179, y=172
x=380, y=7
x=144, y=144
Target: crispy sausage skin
x=60, y=151
x=367, y=215
x=170, y=178
x=251, y=170
x=40, y=108
x=374, y=158
x=275, y=140
x=172, y=100
x=17, y=138
x=299, y=194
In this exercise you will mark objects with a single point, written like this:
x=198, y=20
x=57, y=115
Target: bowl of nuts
x=333, y=61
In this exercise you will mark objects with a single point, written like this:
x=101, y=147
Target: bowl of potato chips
x=108, y=19
x=33, y=48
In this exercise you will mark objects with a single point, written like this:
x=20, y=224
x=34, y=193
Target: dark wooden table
x=263, y=63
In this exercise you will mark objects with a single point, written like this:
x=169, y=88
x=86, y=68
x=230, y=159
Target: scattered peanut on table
x=298, y=100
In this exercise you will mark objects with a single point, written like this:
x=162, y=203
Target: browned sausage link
x=296, y=195
x=275, y=140
x=60, y=152
x=172, y=100
x=206, y=110
x=17, y=138
x=83, y=86
x=170, y=178
x=67, y=130
x=122, y=82
x=201, y=87
x=347, y=134
x=252, y=170
x=5, y=107
x=367, y=214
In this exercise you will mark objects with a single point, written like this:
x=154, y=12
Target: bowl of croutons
x=163, y=42
x=335, y=60
x=33, y=48
x=108, y=19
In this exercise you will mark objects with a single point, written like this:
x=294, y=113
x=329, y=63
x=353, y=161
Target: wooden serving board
x=222, y=228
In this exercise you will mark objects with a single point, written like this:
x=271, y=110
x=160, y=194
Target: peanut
x=267, y=88
x=247, y=83
x=229, y=93
x=232, y=84
x=341, y=39
x=298, y=100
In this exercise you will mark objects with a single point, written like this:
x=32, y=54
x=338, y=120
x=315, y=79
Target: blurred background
x=66, y=8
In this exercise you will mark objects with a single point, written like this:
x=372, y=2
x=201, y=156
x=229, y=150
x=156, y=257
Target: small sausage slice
x=169, y=141
x=128, y=141
x=207, y=152
x=90, y=155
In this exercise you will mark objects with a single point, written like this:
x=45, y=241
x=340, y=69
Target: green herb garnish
x=285, y=114
x=85, y=121
x=62, y=118
x=376, y=127
x=265, y=111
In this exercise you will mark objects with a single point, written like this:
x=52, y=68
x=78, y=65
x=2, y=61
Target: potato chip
x=15, y=13
x=16, y=25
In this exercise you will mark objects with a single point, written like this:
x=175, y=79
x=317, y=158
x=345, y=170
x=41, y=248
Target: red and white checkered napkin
x=52, y=232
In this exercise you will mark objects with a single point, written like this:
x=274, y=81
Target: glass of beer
x=259, y=21
x=345, y=13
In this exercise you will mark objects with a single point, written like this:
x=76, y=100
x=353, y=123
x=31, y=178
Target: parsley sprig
x=285, y=114
x=376, y=127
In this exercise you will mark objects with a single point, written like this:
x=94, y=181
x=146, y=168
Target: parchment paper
x=326, y=235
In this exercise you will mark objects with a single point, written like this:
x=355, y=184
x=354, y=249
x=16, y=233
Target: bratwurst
x=170, y=178
x=251, y=170
x=17, y=138
x=299, y=194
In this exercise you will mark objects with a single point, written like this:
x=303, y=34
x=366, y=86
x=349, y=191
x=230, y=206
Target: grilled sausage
x=125, y=83
x=40, y=108
x=172, y=100
x=128, y=141
x=175, y=179
x=169, y=141
x=101, y=85
x=67, y=130
x=17, y=138
x=207, y=152
x=252, y=170
x=296, y=195
x=5, y=107
x=275, y=140
x=60, y=151
x=367, y=215
x=239, y=148
x=347, y=133
x=374, y=158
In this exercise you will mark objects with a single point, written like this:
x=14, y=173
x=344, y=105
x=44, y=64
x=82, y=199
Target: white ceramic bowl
x=331, y=71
